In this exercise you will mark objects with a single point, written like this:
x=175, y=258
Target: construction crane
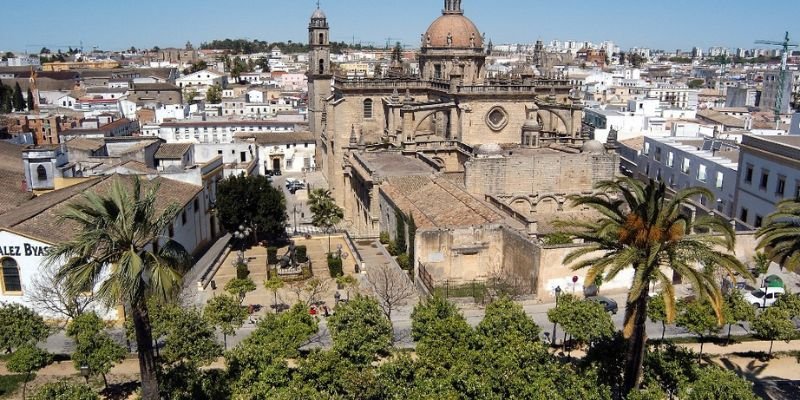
x=783, y=75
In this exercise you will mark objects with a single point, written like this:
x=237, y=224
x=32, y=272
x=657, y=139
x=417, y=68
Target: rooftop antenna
x=786, y=45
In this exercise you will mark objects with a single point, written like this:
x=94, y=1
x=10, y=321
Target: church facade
x=450, y=108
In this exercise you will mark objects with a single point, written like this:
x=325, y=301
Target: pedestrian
x=312, y=311
x=325, y=310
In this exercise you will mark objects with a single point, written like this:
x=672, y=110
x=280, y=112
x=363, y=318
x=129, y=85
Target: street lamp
x=241, y=234
x=558, y=293
x=294, y=212
x=241, y=296
x=85, y=372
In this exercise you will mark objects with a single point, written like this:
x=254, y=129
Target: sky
x=661, y=24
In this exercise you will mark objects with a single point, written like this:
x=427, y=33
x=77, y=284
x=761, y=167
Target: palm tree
x=642, y=228
x=111, y=253
x=326, y=214
x=780, y=235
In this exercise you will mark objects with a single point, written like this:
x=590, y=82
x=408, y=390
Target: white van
x=764, y=297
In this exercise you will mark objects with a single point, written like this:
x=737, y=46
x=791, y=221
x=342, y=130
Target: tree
x=762, y=262
x=93, y=347
x=674, y=368
x=253, y=202
x=47, y=295
x=780, y=234
x=64, y=390
x=440, y=331
x=772, y=324
x=325, y=213
x=240, y=287
x=17, y=98
x=44, y=50
x=20, y=326
x=214, y=94
x=644, y=229
x=657, y=312
x=109, y=251
x=30, y=102
x=789, y=302
x=348, y=282
x=506, y=321
x=227, y=314
x=718, y=384
x=189, y=339
x=696, y=83
x=391, y=287
x=360, y=331
x=585, y=321
x=26, y=360
x=307, y=294
x=737, y=309
x=274, y=284
x=698, y=317
x=258, y=364
x=189, y=95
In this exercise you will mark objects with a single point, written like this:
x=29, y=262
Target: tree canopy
x=253, y=202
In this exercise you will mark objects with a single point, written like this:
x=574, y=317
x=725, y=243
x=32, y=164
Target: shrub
x=242, y=272
x=384, y=238
x=404, y=261
x=64, y=390
x=335, y=266
x=392, y=248
x=272, y=255
x=301, y=254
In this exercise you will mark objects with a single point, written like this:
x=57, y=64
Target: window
x=658, y=174
x=759, y=221
x=670, y=158
x=764, y=179
x=305, y=145
x=743, y=215
x=196, y=204
x=647, y=149
x=748, y=175
x=686, y=166
x=437, y=71
x=11, y=281
x=41, y=173
x=797, y=191
x=657, y=156
x=720, y=179
x=702, y=174
x=780, y=188
x=368, y=108
x=183, y=217
x=243, y=156
x=171, y=231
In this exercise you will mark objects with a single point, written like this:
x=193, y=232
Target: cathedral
x=477, y=166
x=444, y=116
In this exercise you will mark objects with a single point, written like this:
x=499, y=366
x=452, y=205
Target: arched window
x=11, y=281
x=368, y=108
x=321, y=66
x=41, y=173
x=321, y=38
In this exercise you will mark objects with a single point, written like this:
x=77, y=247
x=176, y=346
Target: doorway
x=276, y=164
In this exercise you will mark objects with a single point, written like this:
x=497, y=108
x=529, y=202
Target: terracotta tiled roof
x=438, y=203
x=38, y=218
x=275, y=138
x=85, y=144
x=11, y=157
x=13, y=194
x=172, y=151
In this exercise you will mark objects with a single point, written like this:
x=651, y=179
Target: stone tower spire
x=452, y=7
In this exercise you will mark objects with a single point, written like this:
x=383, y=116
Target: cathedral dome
x=531, y=125
x=593, y=147
x=488, y=149
x=462, y=31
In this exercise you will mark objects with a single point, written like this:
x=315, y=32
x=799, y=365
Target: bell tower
x=319, y=76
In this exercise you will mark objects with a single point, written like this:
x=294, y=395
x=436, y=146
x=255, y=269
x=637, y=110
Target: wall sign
x=26, y=250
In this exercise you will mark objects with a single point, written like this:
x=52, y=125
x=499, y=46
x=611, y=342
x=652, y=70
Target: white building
x=292, y=152
x=202, y=80
x=693, y=162
x=218, y=131
x=28, y=231
x=769, y=172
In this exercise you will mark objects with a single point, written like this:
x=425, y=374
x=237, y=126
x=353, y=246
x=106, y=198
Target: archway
x=276, y=164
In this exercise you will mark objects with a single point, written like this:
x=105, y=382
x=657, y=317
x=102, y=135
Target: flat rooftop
x=388, y=164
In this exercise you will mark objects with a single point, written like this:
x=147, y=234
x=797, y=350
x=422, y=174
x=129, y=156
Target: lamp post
x=294, y=212
x=241, y=296
x=558, y=293
x=85, y=372
x=241, y=234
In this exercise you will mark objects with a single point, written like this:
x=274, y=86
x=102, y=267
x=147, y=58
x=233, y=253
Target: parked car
x=290, y=181
x=764, y=297
x=609, y=304
x=297, y=186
